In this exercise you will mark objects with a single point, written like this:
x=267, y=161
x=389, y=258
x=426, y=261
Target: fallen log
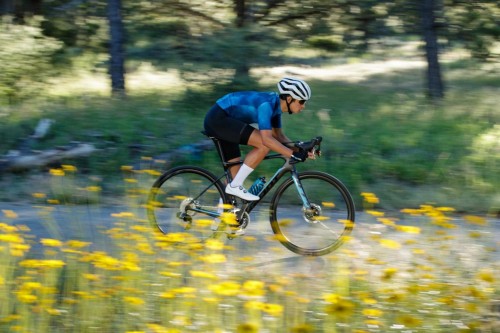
x=15, y=161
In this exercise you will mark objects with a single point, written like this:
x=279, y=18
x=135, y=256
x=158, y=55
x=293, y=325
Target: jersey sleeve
x=269, y=113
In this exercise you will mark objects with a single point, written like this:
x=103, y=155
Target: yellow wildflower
x=387, y=221
x=154, y=328
x=486, y=275
x=56, y=172
x=369, y=300
x=370, y=198
x=167, y=294
x=371, y=322
x=8, y=228
x=26, y=297
x=170, y=274
x=342, y=309
x=273, y=309
x=409, y=321
x=477, y=220
x=76, y=244
x=133, y=300
x=412, y=211
x=203, y=274
x=253, y=288
x=69, y=168
x=51, y=242
x=11, y=238
x=184, y=290
x=331, y=298
x=214, y=244
x=91, y=277
x=226, y=288
x=53, y=312
x=389, y=273
x=18, y=250
x=373, y=312
x=93, y=188
x=202, y=223
x=215, y=258
x=375, y=213
x=153, y=173
x=247, y=328
x=390, y=244
x=123, y=214
x=229, y=218
x=31, y=285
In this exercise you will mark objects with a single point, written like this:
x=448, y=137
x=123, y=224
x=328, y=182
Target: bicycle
x=311, y=212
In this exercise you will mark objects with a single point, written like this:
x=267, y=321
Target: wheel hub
x=310, y=214
x=184, y=209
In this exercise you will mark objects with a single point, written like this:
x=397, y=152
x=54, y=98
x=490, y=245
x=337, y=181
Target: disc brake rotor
x=310, y=214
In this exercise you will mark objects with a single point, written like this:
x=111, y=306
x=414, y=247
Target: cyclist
x=232, y=120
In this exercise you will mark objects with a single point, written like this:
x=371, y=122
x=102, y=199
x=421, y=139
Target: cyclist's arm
x=274, y=142
x=281, y=137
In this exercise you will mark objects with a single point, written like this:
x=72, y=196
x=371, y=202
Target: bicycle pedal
x=235, y=232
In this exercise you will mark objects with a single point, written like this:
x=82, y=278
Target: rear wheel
x=184, y=201
x=320, y=228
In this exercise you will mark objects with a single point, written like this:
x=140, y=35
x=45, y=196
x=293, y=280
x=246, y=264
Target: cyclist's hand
x=298, y=156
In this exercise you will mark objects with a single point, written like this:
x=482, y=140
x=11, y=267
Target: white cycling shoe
x=241, y=192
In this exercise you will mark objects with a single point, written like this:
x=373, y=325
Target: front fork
x=305, y=201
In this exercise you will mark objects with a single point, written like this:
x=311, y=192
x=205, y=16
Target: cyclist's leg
x=259, y=151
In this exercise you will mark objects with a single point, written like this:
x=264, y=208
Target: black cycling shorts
x=231, y=132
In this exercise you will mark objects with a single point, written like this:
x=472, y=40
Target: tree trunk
x=6, y=7
x=240, y=8
x=435, y=89
x=116, y=56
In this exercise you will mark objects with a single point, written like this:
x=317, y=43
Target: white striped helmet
x=296, y=88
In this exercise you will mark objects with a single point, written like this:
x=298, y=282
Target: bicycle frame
x=249, y=206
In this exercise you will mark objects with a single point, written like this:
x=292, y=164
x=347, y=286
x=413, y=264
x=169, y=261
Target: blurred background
x=405, y=93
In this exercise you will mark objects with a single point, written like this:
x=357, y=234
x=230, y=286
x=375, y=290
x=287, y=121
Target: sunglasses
x=302, y=101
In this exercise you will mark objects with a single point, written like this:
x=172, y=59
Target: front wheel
x=319, y=228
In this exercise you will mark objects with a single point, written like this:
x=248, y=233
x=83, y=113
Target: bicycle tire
x=317, y=232
x=170, y=201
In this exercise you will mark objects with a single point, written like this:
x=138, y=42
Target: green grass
x=380, y=133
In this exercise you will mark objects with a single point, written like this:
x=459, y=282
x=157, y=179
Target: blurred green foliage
x=194, y=35
x=25, y=59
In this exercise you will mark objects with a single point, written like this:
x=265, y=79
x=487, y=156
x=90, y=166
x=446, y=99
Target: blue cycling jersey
x=251, y=107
